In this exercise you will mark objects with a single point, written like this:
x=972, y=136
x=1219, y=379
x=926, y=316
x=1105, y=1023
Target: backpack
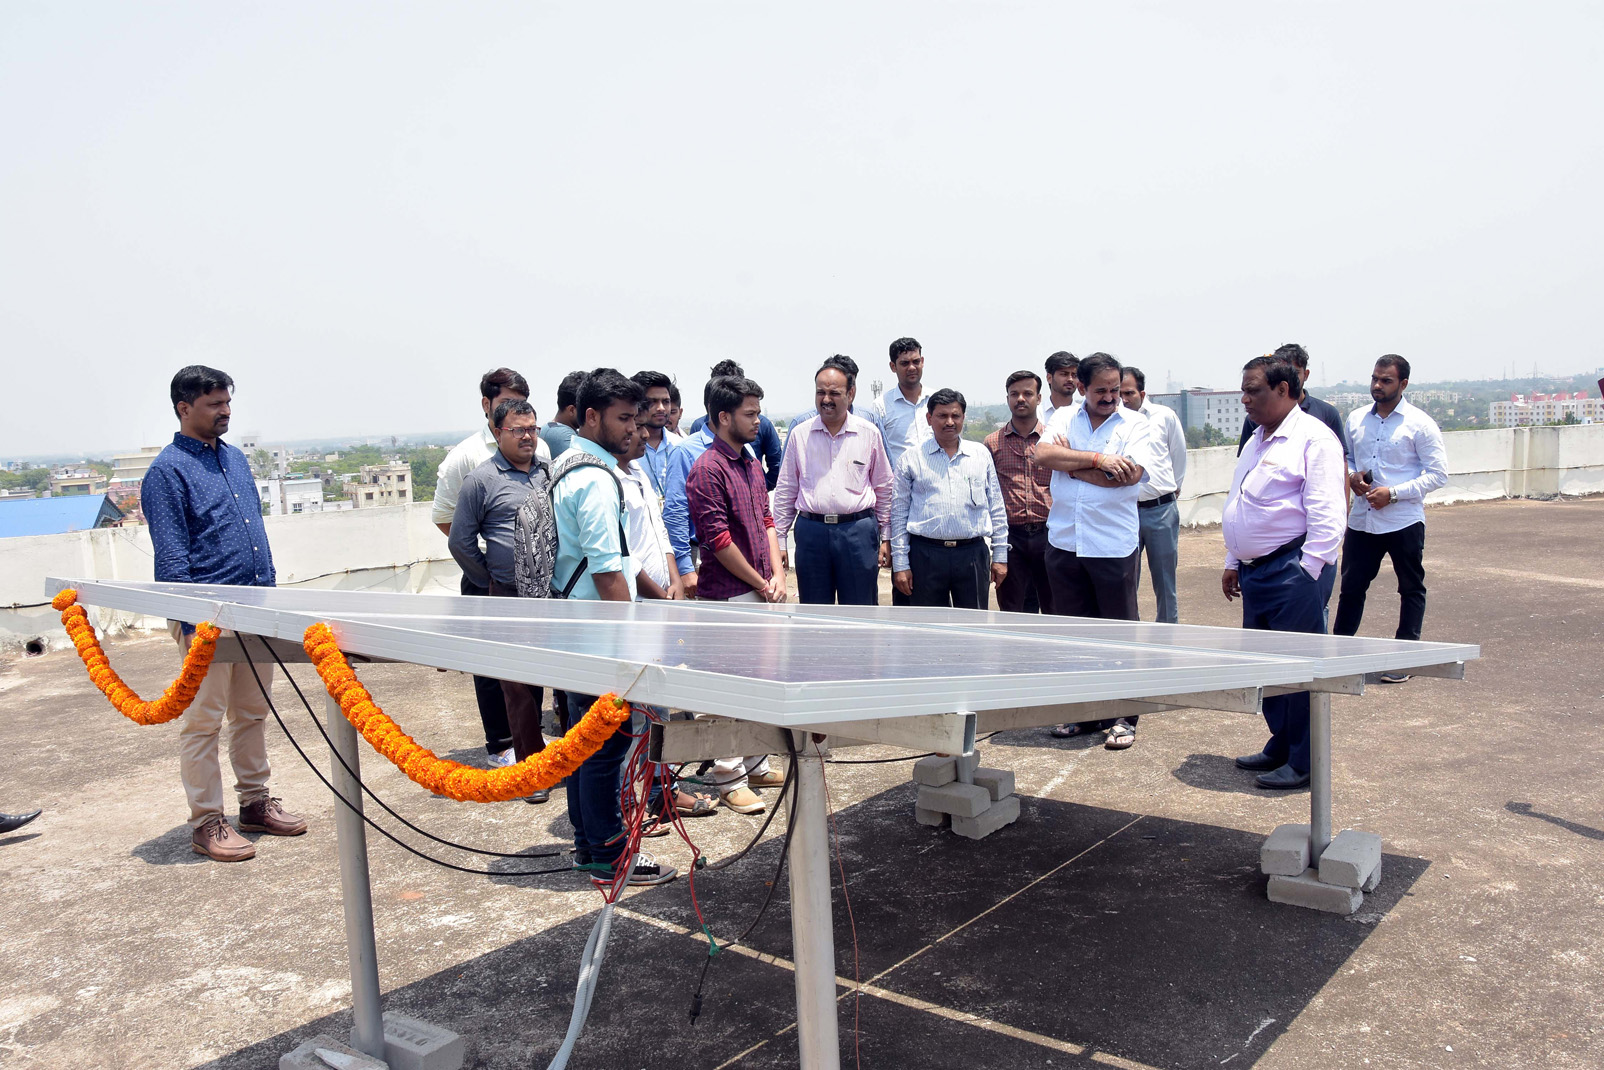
x=534, y=539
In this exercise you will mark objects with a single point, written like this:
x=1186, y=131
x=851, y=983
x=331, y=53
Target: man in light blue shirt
x=1399, y=459
x=946, y=506
x=588, y=506
x=899, y=413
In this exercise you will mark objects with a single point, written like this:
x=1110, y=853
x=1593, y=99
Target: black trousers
x=1361, y=561
x=523, y=703
x=1026, y=589
x=956, y=576
x=487, y=695
x=1103, y=587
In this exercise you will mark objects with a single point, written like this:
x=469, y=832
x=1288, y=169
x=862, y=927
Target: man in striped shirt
x=835, y=493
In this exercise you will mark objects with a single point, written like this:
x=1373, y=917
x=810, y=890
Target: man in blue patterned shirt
x=206, y=524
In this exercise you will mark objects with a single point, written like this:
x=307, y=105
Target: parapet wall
x=400, y=549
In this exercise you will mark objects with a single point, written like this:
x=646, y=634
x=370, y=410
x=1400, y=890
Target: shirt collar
x=1292, y=419
x=932, y=447
x=1008, y=429
x=725, y=450
x=194, y=445
x=1398, y=410
x=488, y=437
x=583, y=443
x=847, y=427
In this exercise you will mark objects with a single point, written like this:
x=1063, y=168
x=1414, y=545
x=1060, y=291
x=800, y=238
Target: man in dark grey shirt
x=487, y=508
x=1324, y=411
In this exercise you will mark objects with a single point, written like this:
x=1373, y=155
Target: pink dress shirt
x=825, y=473
x=1288, y=485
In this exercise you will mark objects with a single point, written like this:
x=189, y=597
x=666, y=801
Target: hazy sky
x=355, y=209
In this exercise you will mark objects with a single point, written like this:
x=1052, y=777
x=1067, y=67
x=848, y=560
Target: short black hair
x=568, y=390
x=650, y=380
x=1088, y=368
x=726, y=393
x=1394, y=361
x=1295, y=353
x=1278, y=370
x=496, y=380
x=1021, y=376
x=947, y=396
x=725, y=367
x=845, y=365
x=602, y=388
x=673, y=392
x=1061, y=360
x=512, y=407
x=195, y=380
x=1135, y=373
x=905, y=345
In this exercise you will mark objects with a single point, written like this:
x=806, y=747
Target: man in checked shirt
x=1026, y=490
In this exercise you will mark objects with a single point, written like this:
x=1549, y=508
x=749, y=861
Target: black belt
x=948, y=543
x=837, y=518
x=1027, y=529
x=1279, y=551
x=1162, y=499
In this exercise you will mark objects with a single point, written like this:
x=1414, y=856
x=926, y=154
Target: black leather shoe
x=1284, y=777
x=13, y=822
x=1258, y=761
x=539, y=795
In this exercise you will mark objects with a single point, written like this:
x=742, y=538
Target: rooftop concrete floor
x=1120, y=922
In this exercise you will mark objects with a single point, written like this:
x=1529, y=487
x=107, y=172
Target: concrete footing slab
x=999, y=782
x=1351, y=858
x=934, y=818
x=1308, y=890
x=934, y=771
x=1000, y=813
x=1286, y=851
x=413, y=1044
x=305, y=1056
x=959, y=800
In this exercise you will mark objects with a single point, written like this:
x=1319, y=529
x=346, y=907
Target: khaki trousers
x=228, y=690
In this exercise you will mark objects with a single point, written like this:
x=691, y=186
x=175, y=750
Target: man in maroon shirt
x=729, y=506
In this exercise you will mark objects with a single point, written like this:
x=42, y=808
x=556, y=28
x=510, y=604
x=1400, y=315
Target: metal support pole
x=1319, y=774
x=367, y=1022
x=812, y=923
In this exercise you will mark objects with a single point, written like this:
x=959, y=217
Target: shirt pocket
x=1271, y=482
x=857, y=477
x=1398, y=453
x=977, y=491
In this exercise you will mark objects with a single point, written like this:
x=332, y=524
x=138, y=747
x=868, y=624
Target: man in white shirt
x=1099, y=453
x=1398, y=451
x=1158, y=509
x=502, y=384
x=1063, y=388
x=899, y=413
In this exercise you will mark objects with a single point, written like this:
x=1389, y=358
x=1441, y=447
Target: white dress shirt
x=1286, y=486
x=936, y=496
x=1405, y=452
x=1049, y=409
x=1089, y=520
x=648, y=538
x=464, y=457
x=902, y=422
x=1169, y=452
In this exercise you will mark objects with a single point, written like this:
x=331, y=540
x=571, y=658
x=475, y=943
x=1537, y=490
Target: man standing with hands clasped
x=946, y=505
x=1400, y=455
x=1282, y=524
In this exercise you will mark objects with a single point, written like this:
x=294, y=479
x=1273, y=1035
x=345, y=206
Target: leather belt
x=1028, y=529
x=1279, y=551
x=948, y=543
x=838, y=518
x=1162, y=499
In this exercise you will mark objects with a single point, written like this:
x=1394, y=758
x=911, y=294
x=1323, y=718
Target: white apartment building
x=380, y=484
x=130, y=468
x=292, y=496
x=1525, y=410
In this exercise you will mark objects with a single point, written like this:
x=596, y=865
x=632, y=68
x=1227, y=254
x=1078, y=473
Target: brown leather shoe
x=266, y=815
x=217, y=840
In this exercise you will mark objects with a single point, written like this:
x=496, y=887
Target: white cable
x=589, y=970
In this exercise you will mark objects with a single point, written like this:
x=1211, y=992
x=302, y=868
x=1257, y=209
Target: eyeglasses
x=521, y=432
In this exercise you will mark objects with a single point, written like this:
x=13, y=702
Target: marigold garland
x=453, y=779
x=179, y=694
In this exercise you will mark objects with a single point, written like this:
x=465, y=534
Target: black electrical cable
x=889, y=761
x=369, y=791
x=386, y=833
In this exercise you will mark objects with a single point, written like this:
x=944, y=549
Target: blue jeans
x=1280, y=596
x=1159, y=538
x=837, y=563
x=593, y=793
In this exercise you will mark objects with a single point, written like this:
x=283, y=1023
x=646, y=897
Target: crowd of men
x=1056, y=510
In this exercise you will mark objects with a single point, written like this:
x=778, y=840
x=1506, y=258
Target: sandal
x=1067, y=730
x=1120, y=736
x=690, y=804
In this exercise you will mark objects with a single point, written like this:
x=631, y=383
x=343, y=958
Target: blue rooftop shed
x=52, y=516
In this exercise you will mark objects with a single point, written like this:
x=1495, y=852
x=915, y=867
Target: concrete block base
x=934, y=818
x=305, y=1057
x=1351, y=858
x=934, y=771
x=998, y=782
x=1286, y=851
x=1308, y=890
x=413, y=1044
x=1002, y=812
x=1375, y=879
x=959, y=800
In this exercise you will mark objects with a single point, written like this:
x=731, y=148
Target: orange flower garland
x=179, y=694
x=453, y=779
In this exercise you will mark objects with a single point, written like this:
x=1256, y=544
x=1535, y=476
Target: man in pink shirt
x=834, y=491
x=1283, y=524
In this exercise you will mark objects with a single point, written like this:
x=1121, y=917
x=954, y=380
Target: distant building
x=291, y=496
x=76, y=482
x=1198, y=408
x=53, y=516
x=1524, y=410
x=380, y=484
x=17, y=493
x=130, y=468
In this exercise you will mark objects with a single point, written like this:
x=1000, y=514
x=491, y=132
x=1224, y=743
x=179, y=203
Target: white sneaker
x=503, y=759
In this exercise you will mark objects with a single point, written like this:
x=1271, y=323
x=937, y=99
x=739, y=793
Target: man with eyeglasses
x=487, y=508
